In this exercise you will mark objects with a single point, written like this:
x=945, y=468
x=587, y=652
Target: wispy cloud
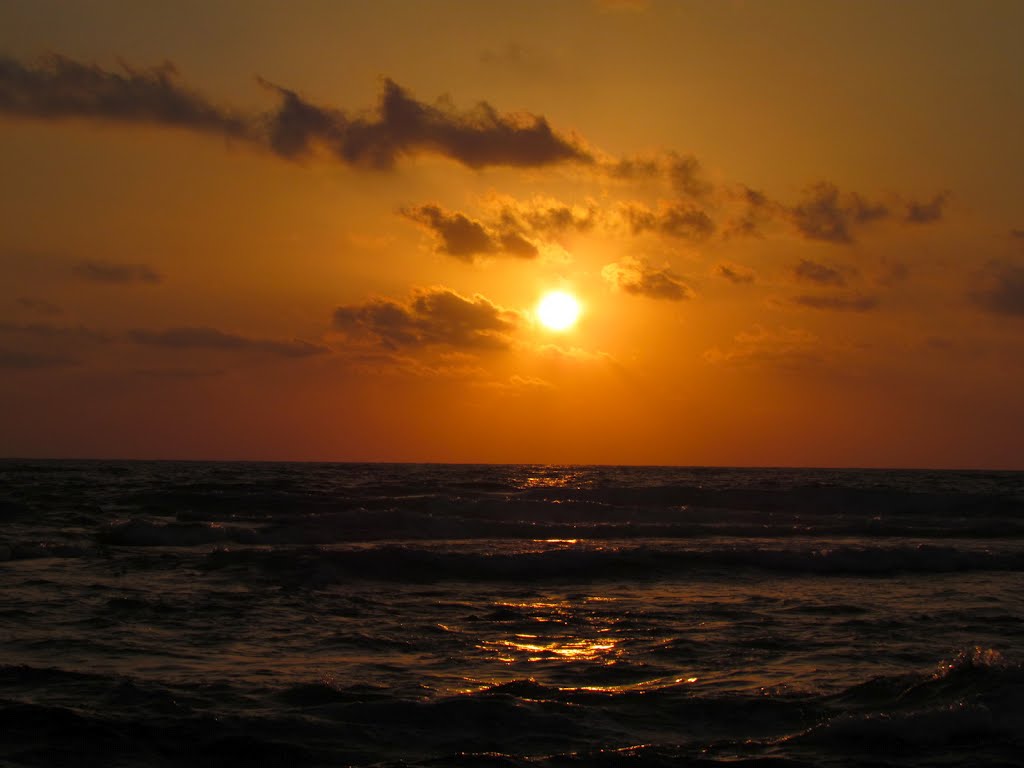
x=639, y=278
x=1002, y=290
x=58, y=87
x=821, y=274
x=923, y=213
x=111, y=272
x=202, y=337
x=837, y=303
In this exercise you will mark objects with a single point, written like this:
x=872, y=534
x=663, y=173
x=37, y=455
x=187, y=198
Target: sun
x=558, y=311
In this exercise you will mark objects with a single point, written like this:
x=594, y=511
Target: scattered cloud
x=687, y=177
x=17, y=360
x=404, y=126
x=842, y=303
x=201, y=337
x=813, y=272
x=785, y=348
x=575, y=354
x=639, y=278
x=431, y=317
x=923, y=213
x=77, y=333
x=734, y=273
x=679, y=220
x=39, y=306
x=757, y=210
x=518, y=385
x=546, y=217
x=59, y=88
x=1001, y=290
x=110, y=272
x=465, y=238
x=824, y=214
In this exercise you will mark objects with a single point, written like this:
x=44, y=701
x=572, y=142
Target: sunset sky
x=319, y=231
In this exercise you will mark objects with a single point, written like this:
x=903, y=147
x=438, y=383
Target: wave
x=321, y=566
x=967, y=710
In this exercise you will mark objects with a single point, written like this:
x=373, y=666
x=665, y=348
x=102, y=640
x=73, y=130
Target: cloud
x=40, y=306
x=825, y=215
x=680, y=220
x=61, y=88
x=684, y=171
x=758, y=209
x=734, y=273
x=109, y=272
x=1017, y=234
x=813, y=272
x=518, y=385
x=15, y=360
x=46, y=331
x=465, y=238
x=639, y=278
x=200, y=337
x=1002, y=290
x=404, y=126
x=431, y=317
x=850, y=303
x=786, y=348
x=546, y=217
x=923, y=213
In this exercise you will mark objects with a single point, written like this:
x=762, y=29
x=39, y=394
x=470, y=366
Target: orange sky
x=318, y=231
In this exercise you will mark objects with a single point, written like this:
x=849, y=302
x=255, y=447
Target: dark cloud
x=109, y=272
x=758, y=209
x=1002, y=290
x=46, y=331
x=687, y=177
x=923, y=213
x=813, y=272
x=824, y=214
x=40, y=306
x=433, y=317
x=548, y=218
x=679, y=220
x=632, y=168
x=59, y=88
x=403, y=126
x=465, y=238
x=199, y=337
x=1017, y=234
x=16, y=360
x=734, y=273
x=852, y=303
x=641, y=279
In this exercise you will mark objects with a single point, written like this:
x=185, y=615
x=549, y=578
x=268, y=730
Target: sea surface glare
x=235, y=614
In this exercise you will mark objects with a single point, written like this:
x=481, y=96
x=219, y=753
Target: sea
x=526, y=616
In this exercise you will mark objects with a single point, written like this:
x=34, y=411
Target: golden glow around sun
x=558, y=310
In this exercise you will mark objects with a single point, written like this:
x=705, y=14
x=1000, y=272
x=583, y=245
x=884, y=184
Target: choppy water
x=300, y=614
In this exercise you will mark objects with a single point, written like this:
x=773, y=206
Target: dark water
x=164, y=614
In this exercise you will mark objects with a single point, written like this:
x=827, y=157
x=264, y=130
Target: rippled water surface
x=300, y=614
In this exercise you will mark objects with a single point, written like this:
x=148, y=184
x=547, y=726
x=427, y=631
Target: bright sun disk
x=558, y=310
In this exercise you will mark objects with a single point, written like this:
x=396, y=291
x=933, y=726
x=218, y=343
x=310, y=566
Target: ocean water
x=237, y=614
